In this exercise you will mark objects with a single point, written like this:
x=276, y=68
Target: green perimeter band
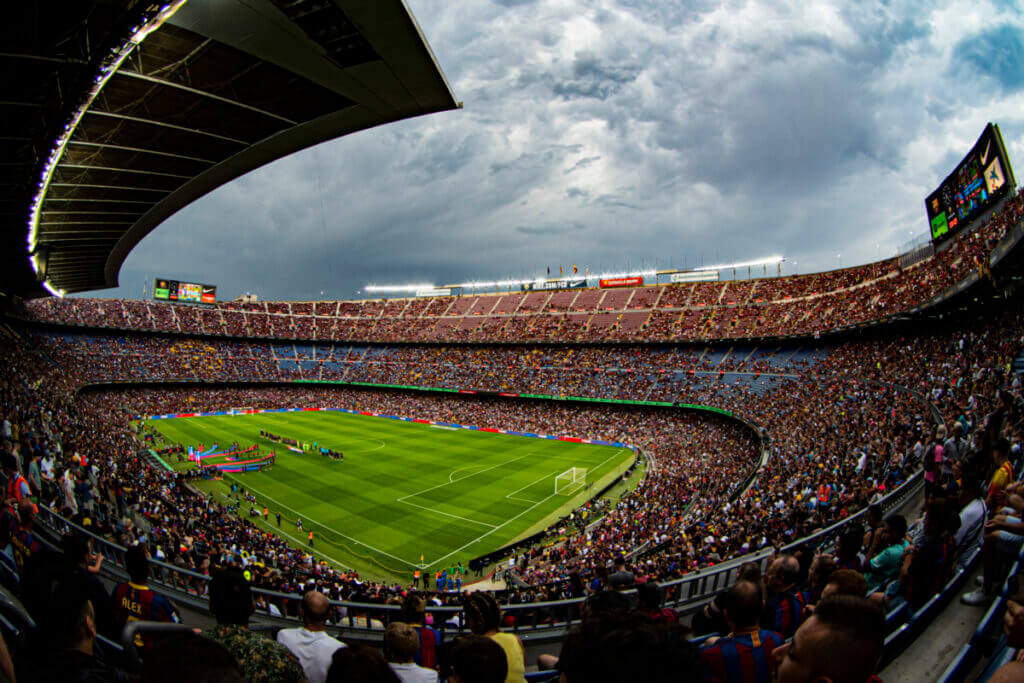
x=581, y=399
x=160, y=460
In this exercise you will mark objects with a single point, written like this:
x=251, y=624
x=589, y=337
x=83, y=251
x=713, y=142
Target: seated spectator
x=972, y=516
x=311, y=644
x=845, y=582
x=605, y=604
x=67, y=628
x=1013, y=627
x=711, y=619
x=649, y=601
x=841, y=643
x=134, y=600
x=784, y=606
x=360, y=664
x=619, y=648
x=483, y=616
x=414, y=613
x=400, y=645
x=261, y=659
x=23, y=541
x=79, y=556
x=745, y=654
x=189, y=657
x=885, y=566
x=477, y=659
x=876, y=528
x=927, y=567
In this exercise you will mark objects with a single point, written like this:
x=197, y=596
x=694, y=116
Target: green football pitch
x=407, y=495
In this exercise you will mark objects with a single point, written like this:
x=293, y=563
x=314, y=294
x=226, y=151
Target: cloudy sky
x=620, y=134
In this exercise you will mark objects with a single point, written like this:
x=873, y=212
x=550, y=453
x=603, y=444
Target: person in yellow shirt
x=483, y=617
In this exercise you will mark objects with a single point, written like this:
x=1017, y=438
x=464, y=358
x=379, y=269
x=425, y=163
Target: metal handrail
x=685, y=594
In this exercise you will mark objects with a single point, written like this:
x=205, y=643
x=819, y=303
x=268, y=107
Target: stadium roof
x=172, y=101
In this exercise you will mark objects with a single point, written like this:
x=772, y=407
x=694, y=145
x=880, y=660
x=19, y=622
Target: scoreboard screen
x=982, y=178
x=185, y=292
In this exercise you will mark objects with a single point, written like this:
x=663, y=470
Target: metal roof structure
x=116, y=114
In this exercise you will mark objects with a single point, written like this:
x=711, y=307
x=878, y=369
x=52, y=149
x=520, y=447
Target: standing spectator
x=135, y=601
x=400, y=645
x=311, y=644
x=261, y=659
x=621, y=578
x=745, y=654
x=841, y=643
x=483, y=617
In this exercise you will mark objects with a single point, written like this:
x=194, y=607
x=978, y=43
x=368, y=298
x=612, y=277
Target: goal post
x=570, y=481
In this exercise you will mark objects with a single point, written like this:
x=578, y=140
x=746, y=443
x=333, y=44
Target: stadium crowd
x=736, y=309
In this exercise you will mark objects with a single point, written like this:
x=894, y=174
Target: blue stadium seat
x=961, y=666
x=542, y=676
x=1002, y=655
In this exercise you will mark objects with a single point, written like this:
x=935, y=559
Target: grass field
x=405, y=490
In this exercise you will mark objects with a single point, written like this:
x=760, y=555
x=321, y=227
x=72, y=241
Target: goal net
x=570, y=481
x=240, y=411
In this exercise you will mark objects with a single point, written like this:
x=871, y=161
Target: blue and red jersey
x=426, y=655
x=133, y=602
x=741, y=658
x=783, y=613
x=24, y=545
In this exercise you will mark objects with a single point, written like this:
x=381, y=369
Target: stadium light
x=110, y=65
x=397, y=288
x=770, y=261
x=56, y=292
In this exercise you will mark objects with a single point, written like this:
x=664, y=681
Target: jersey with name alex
x=741, y=658
x=133, y=602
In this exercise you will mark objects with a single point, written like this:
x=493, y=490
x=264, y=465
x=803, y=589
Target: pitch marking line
x=450, y=481
x=334, y=531
x=512, y=519
x=513, y=495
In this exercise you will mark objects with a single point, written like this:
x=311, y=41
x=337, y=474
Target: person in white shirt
x=311, y=644
x=400, y=645
x=972, y=516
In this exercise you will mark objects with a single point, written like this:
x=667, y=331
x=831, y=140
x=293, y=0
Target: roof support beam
x=112, y=187
x=203, y=93
x=151, y=122
x=85, y=167
x=141, y=150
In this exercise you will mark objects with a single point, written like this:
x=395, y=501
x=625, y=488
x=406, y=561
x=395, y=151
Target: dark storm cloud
x=624, y=133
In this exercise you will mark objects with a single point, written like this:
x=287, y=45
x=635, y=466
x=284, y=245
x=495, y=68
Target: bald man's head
x=743, y=605
x=26, y=511
x=315, y=607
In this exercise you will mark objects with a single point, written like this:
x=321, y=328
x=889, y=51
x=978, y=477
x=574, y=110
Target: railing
x=536, y=619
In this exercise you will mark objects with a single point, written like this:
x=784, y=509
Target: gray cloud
x=624, y=133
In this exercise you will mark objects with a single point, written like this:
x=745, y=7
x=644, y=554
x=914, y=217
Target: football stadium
x=691, y=473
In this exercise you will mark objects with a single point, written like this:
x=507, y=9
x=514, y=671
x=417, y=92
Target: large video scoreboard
x=185, y=292
x=981, y=179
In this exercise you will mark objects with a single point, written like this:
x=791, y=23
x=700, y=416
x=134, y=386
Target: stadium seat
x=1002, y=654
x=961, y=666
x=542, y=676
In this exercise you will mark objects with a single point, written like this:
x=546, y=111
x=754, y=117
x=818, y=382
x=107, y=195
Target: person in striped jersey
x=745, y=654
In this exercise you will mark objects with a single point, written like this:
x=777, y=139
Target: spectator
x=840, y=643
x=260, y=659
x=23, y=541
x=784, y=607
x=401, y=643
x=649, y=601
x=68, y=628
x=483, y=616
x=311, y=644
x=621, y=578
x=414, y=613
x=711, y=619
x=885, y=566
x=613, y=648
x=360, y=664
x=134, y=600
x=1013, y=627
x=745, y=654
x=845, y=582
x=84, y=564
x=186, y=656
x=478, y=659
x=972, y=517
